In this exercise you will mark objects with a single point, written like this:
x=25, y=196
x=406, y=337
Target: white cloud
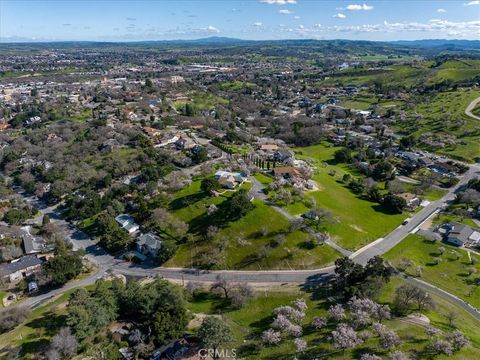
x=441, y=10
x=212, y=29
x=278, y=2
x=429, y=29
x=296, y=17
x=285, y=12
x=355, y=7
x=258, y=24
x=340, y=16
x=471, y=3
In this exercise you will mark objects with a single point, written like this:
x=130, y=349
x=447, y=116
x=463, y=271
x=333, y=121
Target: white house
x=127, y=223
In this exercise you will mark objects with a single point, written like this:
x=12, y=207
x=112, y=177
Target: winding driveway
x=470, y=107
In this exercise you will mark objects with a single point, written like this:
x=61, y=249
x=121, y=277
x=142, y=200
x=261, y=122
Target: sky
x=134, y=20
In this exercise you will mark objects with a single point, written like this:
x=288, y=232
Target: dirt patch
x=427, y=224
x=418, y=319
x=316, y=187
x=357, y=228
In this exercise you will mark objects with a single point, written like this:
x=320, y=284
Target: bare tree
x=64, y=344
x=223, y=284
x=241, y=293
x=451, y=316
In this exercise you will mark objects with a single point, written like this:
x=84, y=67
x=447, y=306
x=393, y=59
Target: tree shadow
x=384, y=210
x=187, y=200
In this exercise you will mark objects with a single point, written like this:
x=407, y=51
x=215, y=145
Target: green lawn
x=357, y=222
x=444, y=218
x=443, y=114
x=450, y=274
x=246, y=248
x=42, y=324
x=249, y=322
x=265, y=180
x=2, y=295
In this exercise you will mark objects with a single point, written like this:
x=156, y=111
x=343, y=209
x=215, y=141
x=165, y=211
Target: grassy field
x=249, y=322
x=2, y=295
x=409, y=76
x=451, y=274
x=357, y=222
x=443, y=114
x=265, y=180
x=41, y=325
x=245, y=247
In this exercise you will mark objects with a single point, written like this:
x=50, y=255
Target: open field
x=242, y=242
x=41, y=325
x=249, y=322
x=450, y=274
x=443, y=114
x=246, y=248
x=422, y=73
x=357, y=221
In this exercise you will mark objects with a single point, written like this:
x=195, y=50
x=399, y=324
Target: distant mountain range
x=465, y=44
x=427, y=46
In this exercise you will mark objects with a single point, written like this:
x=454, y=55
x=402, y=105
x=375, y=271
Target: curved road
x=470, y=107
x=107, y=263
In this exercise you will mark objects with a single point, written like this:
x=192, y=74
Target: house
x=229, y=180
x=127, y=223
x=444, y=168
x=411, y=199
x=32, y=244
x=20, y=268
x=282, y=156
x=459, y=234
x=149, y=244
x=286, y=171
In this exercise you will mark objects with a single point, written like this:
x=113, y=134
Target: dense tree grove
x=64, y=266
x=160, y=308
x=354, y=279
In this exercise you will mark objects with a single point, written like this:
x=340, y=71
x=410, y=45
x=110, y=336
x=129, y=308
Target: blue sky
x=248, y=19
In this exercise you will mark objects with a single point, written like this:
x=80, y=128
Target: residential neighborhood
x=272, y=179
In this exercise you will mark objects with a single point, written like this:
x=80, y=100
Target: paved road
x=106, y=262
x=470, y=107
x=442, y=293
x=396, y=236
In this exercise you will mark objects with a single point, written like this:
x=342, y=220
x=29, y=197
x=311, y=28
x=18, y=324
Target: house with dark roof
x=149, y=244
x=20, y=268
x=459, y=234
